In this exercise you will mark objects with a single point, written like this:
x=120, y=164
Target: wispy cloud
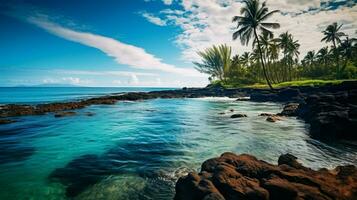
x=167, y=2
x=105, y=73
x=122, y=53
x=67, y=80
x=155, y=20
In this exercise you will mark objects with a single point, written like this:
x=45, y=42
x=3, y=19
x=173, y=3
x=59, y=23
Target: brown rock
x=290, y=109
x=243, y=176
x=65, y=114
x=291, y=160
x=266, y=114
x=273, y=118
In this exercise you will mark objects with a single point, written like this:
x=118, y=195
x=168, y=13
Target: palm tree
x=290, y=49
x=216, y=61
x=310, y=58
x=252, y=20
x=273, y=56
x=283, y=42
x=323, y=56
x=347, y=51
x=245, y=59
x=332, y=34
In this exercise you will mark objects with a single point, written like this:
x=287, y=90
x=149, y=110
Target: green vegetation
x=275, y=60
x=314, y=82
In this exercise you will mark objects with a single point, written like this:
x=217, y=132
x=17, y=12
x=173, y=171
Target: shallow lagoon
x=136, y=150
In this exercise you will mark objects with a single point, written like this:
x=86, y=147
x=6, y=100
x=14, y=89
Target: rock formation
x=232, y=177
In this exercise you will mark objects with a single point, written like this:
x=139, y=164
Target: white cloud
x=167, y=2
x=155, y=20
x=67, y=80
x=116, y=82
x=122, y=53
x=134, y=80
x=205, y=23
x=125, y=54
x=104, y=73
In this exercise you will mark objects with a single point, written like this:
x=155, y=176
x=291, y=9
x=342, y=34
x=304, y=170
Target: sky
x=146, y=43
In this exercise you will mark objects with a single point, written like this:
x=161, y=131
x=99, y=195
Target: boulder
x=231, y=177
x=290, y=109
x=238, y=115
x=330, y=115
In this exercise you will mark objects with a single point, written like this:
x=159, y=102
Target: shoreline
x=330, y=110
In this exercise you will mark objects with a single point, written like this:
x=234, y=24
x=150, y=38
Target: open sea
x=137, y=150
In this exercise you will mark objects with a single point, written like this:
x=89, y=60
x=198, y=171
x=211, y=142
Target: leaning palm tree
x=253, y=20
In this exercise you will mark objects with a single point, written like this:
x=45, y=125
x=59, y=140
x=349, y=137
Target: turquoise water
x=32, y=95
x=137, y=150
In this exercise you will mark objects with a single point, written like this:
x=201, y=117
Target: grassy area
x=293, y=83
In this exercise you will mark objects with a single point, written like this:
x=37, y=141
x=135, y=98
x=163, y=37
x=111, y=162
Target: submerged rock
x=65, y=114
x=6, y=121
x=232, y=177
x=273, y=118
x=239, y=116
x=89, y=114
x=266, y=114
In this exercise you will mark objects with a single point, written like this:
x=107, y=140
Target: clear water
x=31, y=95
x=137, y=150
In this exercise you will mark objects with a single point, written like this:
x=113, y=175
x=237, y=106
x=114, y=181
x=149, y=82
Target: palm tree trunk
x=261, y=58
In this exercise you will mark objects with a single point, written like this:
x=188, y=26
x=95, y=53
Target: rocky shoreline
x=232, y=176
x=330, y=110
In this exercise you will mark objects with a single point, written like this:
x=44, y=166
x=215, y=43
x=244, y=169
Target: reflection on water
x=137, y=150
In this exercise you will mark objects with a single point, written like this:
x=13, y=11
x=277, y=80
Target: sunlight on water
x=137, y=150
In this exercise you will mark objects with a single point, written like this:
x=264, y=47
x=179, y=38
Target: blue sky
x=137, y=42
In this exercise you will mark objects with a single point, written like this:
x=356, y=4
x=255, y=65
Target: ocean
x=137, y=150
